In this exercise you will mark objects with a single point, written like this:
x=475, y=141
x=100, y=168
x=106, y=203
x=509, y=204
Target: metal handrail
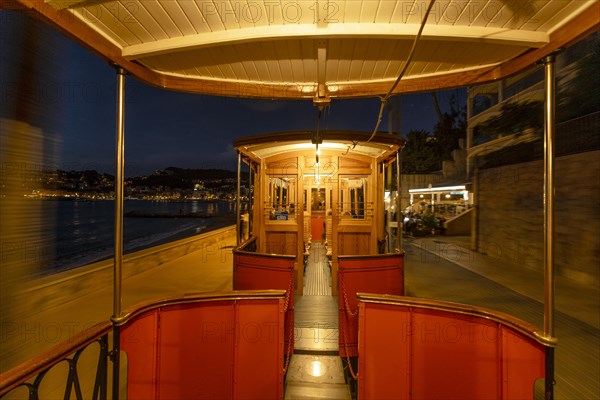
x=243, y=249
x=370, y=256
x=142, y=308
x=344, y=211
x=246, y=246
x=520, y=326
x=271, y=209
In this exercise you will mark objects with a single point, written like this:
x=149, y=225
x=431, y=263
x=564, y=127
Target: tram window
x=281, y=203
x=318, y=199
x=353, y=201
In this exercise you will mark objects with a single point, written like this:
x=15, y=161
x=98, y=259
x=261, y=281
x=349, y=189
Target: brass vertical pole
x=119, y=186
x=387, y=183
x=250, y=201
x=119, y=189
x=469, y=143
x=549, y=219
x=475, y=206
x=238, y=201
x=549, y=198
x=398, y=203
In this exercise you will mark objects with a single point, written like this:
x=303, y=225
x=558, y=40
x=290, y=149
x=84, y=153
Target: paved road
x=578, y=353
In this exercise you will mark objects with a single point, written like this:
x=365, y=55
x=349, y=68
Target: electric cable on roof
x=385, y=98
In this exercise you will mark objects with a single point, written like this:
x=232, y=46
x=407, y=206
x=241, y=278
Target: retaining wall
x=510, y=215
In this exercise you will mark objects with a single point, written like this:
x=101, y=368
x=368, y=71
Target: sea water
x=76, y=233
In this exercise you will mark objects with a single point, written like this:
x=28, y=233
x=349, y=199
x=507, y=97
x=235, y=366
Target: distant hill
x=182, y=178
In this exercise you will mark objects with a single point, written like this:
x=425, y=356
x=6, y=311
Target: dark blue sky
x=165, y=128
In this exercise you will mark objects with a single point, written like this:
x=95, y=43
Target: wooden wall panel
x=285, y=243
x=354, y=243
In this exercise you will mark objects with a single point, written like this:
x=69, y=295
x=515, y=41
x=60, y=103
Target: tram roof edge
x=333, y=135
x=354, y=53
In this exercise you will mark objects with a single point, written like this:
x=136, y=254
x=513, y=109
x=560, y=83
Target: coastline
x=73, y=232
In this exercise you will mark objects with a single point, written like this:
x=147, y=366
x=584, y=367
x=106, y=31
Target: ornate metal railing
x=280, y=211
x=363, y=211
x=32, y=374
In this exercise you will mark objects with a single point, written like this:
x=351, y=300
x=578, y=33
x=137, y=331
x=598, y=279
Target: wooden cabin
x=327, y=189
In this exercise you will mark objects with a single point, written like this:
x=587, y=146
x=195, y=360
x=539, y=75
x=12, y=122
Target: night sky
x=165, y=128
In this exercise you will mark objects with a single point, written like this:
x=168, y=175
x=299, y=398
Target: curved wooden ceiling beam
x=337, y=31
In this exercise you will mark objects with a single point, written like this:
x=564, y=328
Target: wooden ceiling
x=317, y=49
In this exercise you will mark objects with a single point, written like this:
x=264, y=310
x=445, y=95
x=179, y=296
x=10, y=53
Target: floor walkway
x=317, y=280
x=316, y=371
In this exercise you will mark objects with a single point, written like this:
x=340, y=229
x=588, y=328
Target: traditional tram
x=326, y=188
x=331, y=191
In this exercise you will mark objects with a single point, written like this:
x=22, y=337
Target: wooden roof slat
x=180, y=17
x=158, y=23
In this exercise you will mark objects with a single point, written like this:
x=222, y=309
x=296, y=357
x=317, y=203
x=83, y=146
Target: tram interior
x=344, y=244
x=318, y=265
